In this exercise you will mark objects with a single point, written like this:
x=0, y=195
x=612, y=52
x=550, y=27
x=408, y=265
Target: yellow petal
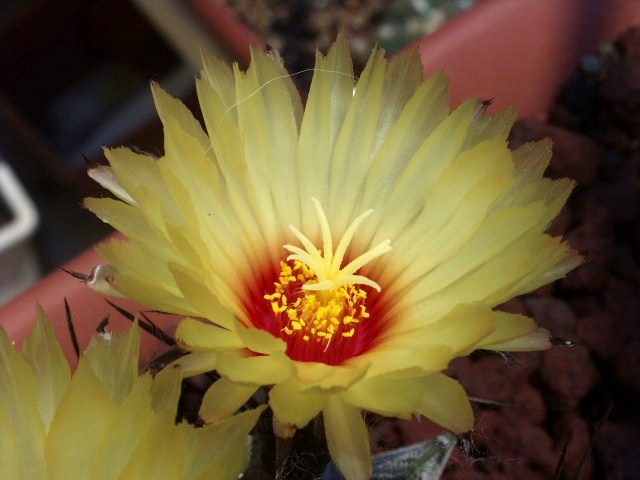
x=202, y=298
x=161, y=453
x=223, y=399
x=461, y=330
x=329, y=98
x=114, y=360
x=347, y=439
x=83, y=416
x=197, y=363
x=18, y=397
x=329, y=378
x=539, y=339
x=509, y=326
x=199, y=336
x=294, y=407
x=414, y=183
x=231, y=440
x=421, y=115
x=259, y=341
x=9, y=453
x=125, y=218
x=446, y=403
x=44, y=355
x=258, y=370
x=134, y=171
x=166, y=389
x=105, y=177
x=353, y=149
x=268, y=116
x=125, y=433
x=387, y=395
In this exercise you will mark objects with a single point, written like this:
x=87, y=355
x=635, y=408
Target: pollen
x=317, y=300
x=310, y=315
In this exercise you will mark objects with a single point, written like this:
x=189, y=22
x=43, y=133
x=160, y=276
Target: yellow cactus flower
x=105, y=421
x=341, y=252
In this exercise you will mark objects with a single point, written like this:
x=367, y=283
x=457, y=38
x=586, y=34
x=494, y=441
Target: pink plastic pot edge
x=517, y=53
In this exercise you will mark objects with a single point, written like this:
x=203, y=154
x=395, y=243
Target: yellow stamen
x=314, y=295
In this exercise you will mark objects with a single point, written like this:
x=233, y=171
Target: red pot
x=516, y=52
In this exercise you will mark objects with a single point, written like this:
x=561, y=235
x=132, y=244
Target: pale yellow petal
x=256, y=370
x=354, y=146
x=124, y=218
x=105, y=177
x=509, y=326
x=259, y=341
x=347, y=439
x=223, y=399
x=199, y=336
x=292, y=406
x=134, y=171
x=114, y=360
x=539, y=339
x=446, y=403
x=204, y=301
x=436, y=343
x=387, y=395
x=421, y=115
x=330, y=378
x=9, y=453
x=410, y=359
x=196, y=363
x=414, y=184
x=166, y=389
x=83, y=417
x=268, y=116
x=485, y=127
x=18, y=397
x=161, y=453
x=231, y=440
x=329, y=98
x=124, y=434
x=42, y=352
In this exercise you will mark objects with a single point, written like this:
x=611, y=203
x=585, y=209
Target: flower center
x=319, y=305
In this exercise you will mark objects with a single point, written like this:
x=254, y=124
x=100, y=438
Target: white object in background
x=19, y=265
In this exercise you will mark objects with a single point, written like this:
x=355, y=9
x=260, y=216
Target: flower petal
x=536, y=340
x=114, y=361
x=196, y=363
x=256, y=370
x=388, y=395
x=44, y=355
x=160, y=453
x=124, y=434
x=223, y=399
x=220, y=450
x=18, y=398
x=259, y=341
x=292, y=406
x=199, y=336
x=509, y=326
x=105, y=177
x=9, y=453
x=329, y=98
x=347, y=439
x=446, y=403
x=72, y=441
x=328, y=378
x=203, y=299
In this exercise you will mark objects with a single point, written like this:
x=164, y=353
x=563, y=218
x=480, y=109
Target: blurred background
x=76, y=78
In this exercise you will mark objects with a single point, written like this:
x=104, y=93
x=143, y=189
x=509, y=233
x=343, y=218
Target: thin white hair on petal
x=266, y=84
